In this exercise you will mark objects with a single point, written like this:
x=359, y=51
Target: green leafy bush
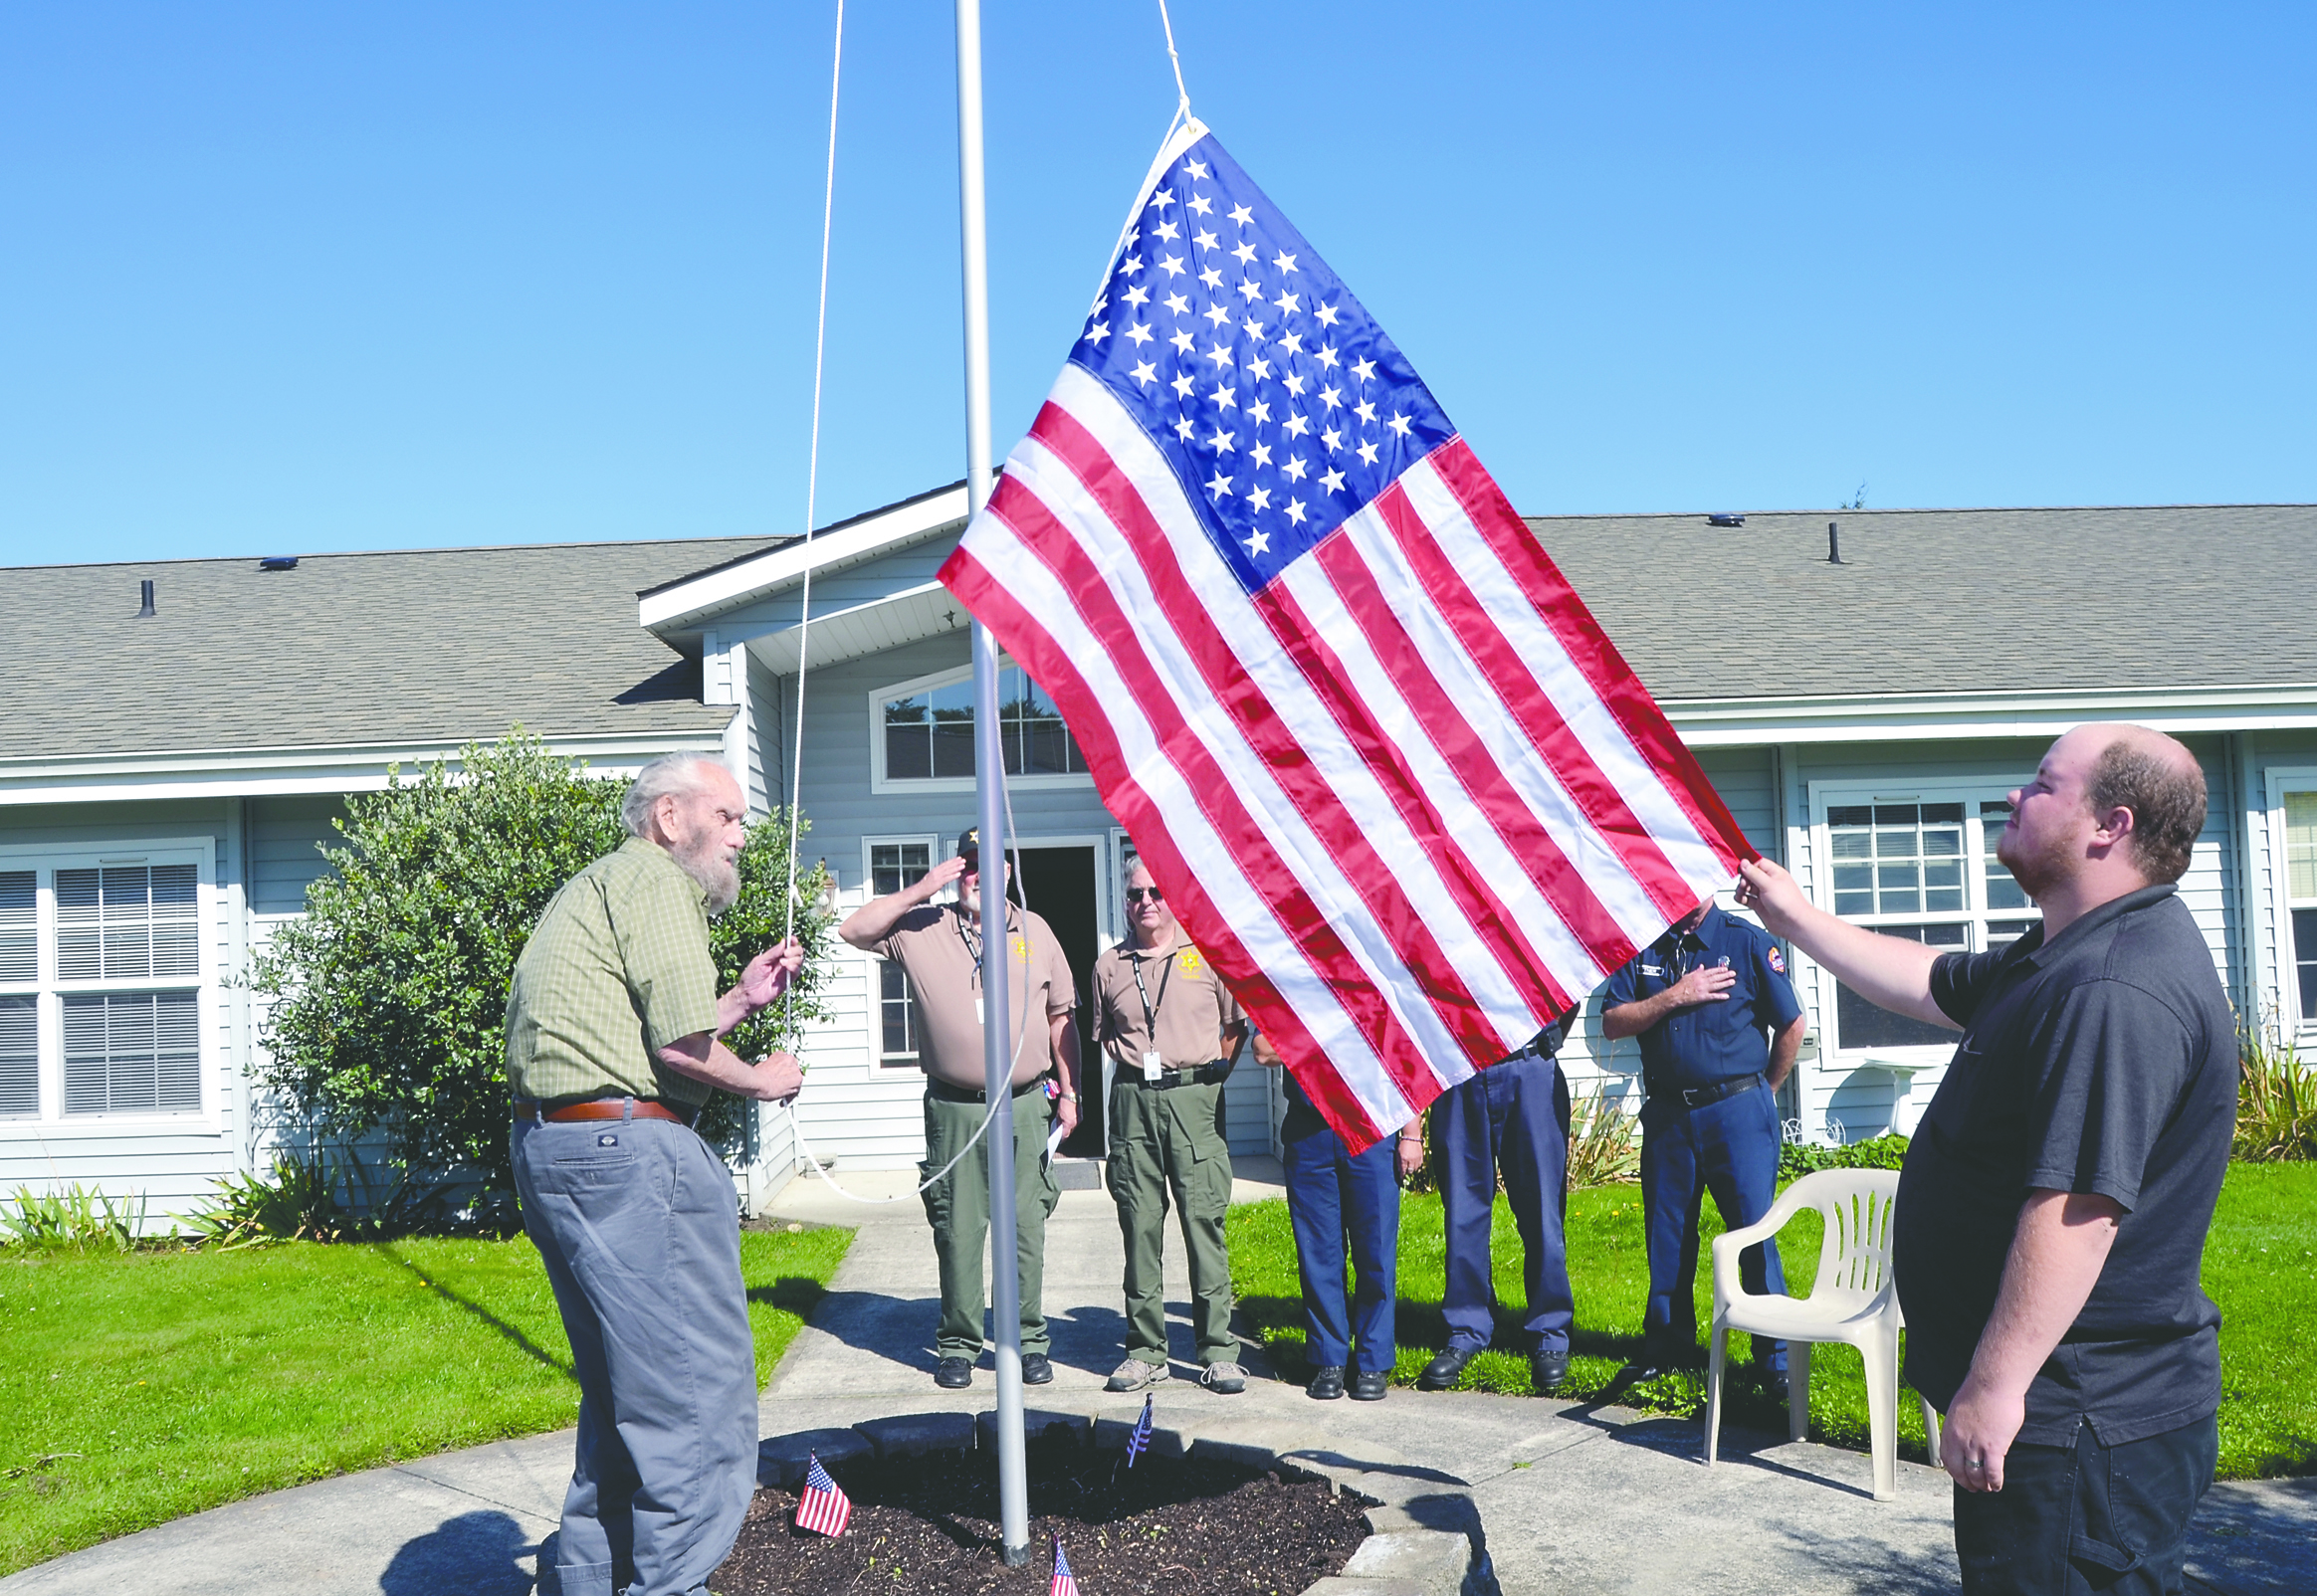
x=312, y=1197
x=2277, y=1101
x=72, y=1220
x=387, y=999
x=1605, y=1143
x=1883, y=1152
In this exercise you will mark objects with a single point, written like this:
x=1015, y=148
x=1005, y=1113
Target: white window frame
x=45, y=860
x=2284, y=779
x=881, y=1062
x=1971, y=792
x=879, y=782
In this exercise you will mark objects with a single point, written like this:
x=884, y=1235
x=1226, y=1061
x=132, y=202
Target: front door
x=1058, y=881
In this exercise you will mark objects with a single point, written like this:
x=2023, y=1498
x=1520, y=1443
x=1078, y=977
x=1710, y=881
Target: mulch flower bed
x=1166, y=1526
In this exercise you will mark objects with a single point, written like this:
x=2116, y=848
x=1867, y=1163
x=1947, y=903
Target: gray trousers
x=636, y=1223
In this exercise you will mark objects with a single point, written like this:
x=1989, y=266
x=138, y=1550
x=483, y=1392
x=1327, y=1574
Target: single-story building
x=1863, y=718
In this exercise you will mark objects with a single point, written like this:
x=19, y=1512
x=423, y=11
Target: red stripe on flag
x=1592, y=792
x=1053, y=668
x=1563, y=885
x=1404, y=923
x=1477, y=901
x=1592, y=651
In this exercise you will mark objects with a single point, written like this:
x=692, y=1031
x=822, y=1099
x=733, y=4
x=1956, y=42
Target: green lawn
x=135, y=1389
x=2259, y=1267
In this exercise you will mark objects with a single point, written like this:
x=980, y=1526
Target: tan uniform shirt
x=940, y=948
x=1192, y=1006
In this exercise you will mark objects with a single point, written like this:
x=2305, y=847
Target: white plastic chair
x=1853, y=1300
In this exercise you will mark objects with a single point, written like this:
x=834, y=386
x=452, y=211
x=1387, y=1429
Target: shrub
x=1883, y=1152
x=301, y=1201
x=1605, y=1143
x=2276, y=1101
x=72, y=1220
x=388, y=997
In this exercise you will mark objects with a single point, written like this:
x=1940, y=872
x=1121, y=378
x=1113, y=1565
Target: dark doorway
x=1058, y=882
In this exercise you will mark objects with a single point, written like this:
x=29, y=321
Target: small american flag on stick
x=825, y=1506
x=1140, y=1442
x=1064, y=1582
x=1393, y=778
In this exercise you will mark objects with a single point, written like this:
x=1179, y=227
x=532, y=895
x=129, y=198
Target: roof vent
x=279, y=562
x=1724, y=520
x=145, y=591
x=1833, y=543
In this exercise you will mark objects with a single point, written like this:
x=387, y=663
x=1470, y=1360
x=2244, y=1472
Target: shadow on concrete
x=1868, y=1566
x=530, y=1347
x=472, y=1554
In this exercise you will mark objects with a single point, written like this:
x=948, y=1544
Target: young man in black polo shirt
x=2052, y=1213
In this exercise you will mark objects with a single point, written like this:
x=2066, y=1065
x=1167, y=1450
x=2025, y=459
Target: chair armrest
x=1768, y=1225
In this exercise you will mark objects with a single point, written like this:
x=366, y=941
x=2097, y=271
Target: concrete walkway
x=1573, y=1498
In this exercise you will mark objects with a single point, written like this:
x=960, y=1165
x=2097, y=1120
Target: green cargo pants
x=1161, y=1141
x=958, y=1206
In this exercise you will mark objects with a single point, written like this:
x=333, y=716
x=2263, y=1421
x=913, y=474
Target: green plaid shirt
x=617, y=969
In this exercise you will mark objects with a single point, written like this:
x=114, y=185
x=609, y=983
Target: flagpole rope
x=805, y=628
x=820, y=340
x=1183, y=106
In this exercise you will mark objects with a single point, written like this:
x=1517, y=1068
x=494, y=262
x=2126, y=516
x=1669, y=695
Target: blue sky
x=287, y=277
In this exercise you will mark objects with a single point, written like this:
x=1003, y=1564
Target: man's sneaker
x=952, y=1374
x=1037, y=1369
x=1136, y=1375
x=1227, y=1378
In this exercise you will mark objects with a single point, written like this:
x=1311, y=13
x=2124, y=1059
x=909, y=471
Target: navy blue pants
x=1511, y=1116
x=1730, y=1148
x=2087, y=1517
x=1330, y=1196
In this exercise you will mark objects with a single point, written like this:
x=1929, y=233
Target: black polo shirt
x=2103, y=1060
x=1709, y=1042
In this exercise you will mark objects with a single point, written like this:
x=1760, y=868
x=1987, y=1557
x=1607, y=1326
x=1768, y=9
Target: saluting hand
x=940, y=875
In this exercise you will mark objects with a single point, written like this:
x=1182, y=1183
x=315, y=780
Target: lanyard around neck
x=1150, y=1009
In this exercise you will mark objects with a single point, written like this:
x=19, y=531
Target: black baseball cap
x=970, y=843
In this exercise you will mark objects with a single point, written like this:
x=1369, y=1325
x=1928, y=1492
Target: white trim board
x=1936, y=716
x=2283, y=779
x=690, y=603
x=255, y=772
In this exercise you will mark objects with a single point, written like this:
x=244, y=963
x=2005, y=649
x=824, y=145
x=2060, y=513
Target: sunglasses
x=1136, y=895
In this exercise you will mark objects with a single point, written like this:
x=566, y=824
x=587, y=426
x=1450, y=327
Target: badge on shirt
x=1153, y=1065
x=1188, y=965
x=1776, y=959
x=1651, y=969
x=1022, y=948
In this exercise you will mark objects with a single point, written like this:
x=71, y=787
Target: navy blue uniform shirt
x=1709, y=1042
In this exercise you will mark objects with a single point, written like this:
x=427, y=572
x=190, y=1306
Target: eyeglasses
x=1136, y=895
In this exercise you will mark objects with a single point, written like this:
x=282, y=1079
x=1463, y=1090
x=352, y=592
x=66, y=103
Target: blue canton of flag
x=1260, y=377
x=823, y=1508
x=1065, y=1583
x=1140, y=1442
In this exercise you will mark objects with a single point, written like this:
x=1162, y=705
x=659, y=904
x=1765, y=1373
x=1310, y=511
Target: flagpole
x=1006, y=1312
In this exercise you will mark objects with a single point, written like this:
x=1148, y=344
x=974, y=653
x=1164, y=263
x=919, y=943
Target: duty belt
x=1198, y=1076
x=1699, y=1096
x=950, y=1093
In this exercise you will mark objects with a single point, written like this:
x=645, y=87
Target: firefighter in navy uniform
x=1719, y=1026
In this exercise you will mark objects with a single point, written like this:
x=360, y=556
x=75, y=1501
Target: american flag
x=1139, y=1441
x=1064, y=1582
x=825, y=1506
x=1393, y=778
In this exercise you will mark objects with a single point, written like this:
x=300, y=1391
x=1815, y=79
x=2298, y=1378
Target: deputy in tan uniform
x=1169, y=1031
x=940, y=948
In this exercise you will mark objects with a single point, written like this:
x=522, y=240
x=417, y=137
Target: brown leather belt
x=603, y=1108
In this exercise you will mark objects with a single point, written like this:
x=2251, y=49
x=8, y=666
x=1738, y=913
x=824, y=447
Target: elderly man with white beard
x=612, y=1028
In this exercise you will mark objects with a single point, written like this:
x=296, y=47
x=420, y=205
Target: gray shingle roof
x=1951, y=600
x=433, y=647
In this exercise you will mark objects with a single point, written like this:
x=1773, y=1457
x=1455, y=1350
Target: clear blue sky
x=287, y=277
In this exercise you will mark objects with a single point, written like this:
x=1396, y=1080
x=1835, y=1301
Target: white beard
x=717, y=877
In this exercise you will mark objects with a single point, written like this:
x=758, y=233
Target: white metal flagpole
x=1013, y=1508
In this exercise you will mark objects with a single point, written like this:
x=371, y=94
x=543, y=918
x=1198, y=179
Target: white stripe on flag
x=1298, y=710
x=1536, y=921
x=1590, y=855
x=1539, y=647
x=1217, y=870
